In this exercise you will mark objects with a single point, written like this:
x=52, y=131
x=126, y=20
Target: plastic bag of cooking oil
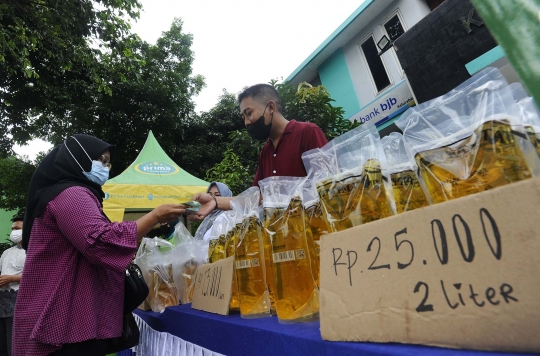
x=348, y=174
x=409, y=192
x=249, y=257
x=231, y=229
x=187, y=255
x=518, y=91
x=531, y=121
x=526, y=108
x=218, y=232
x=293, y=251
x=466, y=141
x=315, y=223
x=154, y=259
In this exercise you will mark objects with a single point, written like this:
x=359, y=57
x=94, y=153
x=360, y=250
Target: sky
x=238, y=43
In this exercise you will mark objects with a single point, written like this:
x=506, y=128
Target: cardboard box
x=213, y=286
x=461, y=274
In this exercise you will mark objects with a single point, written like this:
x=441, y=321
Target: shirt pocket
x=17, y=265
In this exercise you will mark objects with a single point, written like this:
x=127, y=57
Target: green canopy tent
x=151, y=180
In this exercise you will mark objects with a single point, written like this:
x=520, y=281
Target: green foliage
x=205, y=136
x=231, y=172
x=156, y=94
x=314, y=104
x=15, y=176
x=52, y=52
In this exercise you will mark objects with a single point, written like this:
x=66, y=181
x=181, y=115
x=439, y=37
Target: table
x=232, y=335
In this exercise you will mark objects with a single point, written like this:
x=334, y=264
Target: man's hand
x=208, y=204
x=5, y=280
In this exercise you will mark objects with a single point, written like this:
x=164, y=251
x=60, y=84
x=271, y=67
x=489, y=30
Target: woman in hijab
x=216, y=189
x=71, y=295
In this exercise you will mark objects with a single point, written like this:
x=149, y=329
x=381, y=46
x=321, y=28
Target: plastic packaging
x=233, y=230
x=408, y=191
x=154, y=259
x=218, y=233
x=526, y=108
x=293, y=252
x=466, y=141
x=348, y=174
x=249, y=263
x=315, y=223
x=188, y=254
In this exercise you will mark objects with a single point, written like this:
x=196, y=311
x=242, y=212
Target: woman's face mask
x=99, y=173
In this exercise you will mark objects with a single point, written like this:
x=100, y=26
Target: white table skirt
x=156, y=343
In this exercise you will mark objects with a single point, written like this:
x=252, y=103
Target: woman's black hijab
x=59, y=171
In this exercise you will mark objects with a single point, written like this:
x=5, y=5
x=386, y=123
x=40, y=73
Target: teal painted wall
x=335, y=76
x=5, y=224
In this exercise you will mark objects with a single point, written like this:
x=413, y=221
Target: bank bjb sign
x=155, y=167
x=397, y=99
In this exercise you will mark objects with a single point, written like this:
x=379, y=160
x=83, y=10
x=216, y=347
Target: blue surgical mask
x=98, y=174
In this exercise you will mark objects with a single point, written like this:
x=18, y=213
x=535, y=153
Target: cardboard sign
x=213, y=286
x=462, y=274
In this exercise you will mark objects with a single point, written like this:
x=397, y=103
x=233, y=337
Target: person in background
x=11, y=267
x=215, y=189
x=71, y=297
x=260, y=107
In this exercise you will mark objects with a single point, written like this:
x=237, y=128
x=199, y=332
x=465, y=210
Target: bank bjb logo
x=157, y=168
x=107, y=196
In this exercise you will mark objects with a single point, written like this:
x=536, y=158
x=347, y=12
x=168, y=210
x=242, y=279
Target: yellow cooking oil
x=296, y=295
x=354, y=198
x=249, y=263
x=489, y=158
x=408, y=192
x=230, y=249
x=317, y=226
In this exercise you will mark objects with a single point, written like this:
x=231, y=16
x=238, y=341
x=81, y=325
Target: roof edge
x=330, y=38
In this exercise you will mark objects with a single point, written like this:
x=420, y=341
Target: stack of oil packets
x=348, y=175
x=469, y=140
x=294, y=261
x=408, y=191
x=253, y=291
x=479, y=136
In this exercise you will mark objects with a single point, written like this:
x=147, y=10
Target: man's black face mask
x=258, y=130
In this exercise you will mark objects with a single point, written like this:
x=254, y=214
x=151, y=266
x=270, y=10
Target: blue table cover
x=232, y=335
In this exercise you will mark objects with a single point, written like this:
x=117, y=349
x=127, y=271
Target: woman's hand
x=162, y=214
x=168, y=212
x=208, y=204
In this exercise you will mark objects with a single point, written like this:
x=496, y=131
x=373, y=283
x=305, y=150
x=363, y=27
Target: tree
x=231, y=172
x=205, y=136
x=48, y=48
x=15, y=175
x=156, y=94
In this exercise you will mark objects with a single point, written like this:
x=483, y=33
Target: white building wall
x=411, y=11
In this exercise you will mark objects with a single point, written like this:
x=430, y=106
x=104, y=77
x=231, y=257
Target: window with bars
x=393, y=28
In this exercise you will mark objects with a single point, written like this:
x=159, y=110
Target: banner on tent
x=146, y=196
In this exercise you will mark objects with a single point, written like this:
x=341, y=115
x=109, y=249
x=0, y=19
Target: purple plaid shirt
x=72, y=287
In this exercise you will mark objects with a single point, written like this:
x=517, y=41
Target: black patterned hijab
x=59, y=171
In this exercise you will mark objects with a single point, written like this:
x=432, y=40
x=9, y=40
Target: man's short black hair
x=17, y=218
x=262, y=93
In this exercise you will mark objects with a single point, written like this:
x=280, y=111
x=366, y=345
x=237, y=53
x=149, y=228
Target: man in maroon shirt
x=260, y=107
